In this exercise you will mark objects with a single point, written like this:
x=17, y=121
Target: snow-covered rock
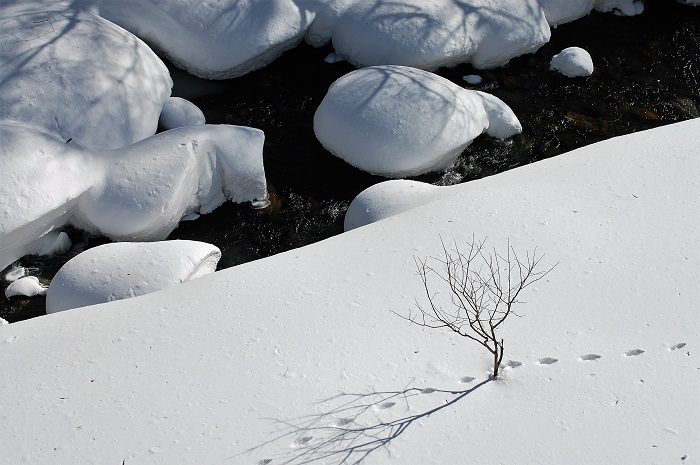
x=54, y=243
x=29, y=286
x=622, y=7
x=473, y=79
x=390, y=198
x=213, y=39
x=14, y=273
x=178, y=112
x=430, y=34
x=137, y=193
x=564, y=11
x=572, y=62
x=77, y=75
x=122, y=270
x=397, y=121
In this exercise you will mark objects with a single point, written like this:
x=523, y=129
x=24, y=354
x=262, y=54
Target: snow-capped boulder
x=564, y=11
x=427, y=35
x=122, y=270
x=213, y=39
x=74, y=74
x=29, y=286
x=390, y=198
x=137, y=193
x=572, y=62
x=622, y=7
x=178, y=112
x=397, y=121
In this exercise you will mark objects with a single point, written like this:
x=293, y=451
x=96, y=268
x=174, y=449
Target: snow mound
x=123, y=270
x=99, y=85
x=375, y=119
x=14, y=273
x=572, y=62
x=54, y=243
x=137, y=193
x=428, y=35
x=29, y=286
x=390, y=198
x=213, y=39
x=621, y=7
x=178, y=112
x=564, y=11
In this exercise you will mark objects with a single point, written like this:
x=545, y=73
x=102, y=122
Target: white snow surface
x=136, y=193
x=14, y=273
x=213, y=39
x=397, y=121
x=178, y=112
x=29, y=286
x=128, y=269
x=430, y=34
x=572, y=62
x=250, y=364
x=100, y=85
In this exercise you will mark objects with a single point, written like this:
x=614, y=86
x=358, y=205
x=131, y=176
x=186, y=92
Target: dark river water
x=647, y=72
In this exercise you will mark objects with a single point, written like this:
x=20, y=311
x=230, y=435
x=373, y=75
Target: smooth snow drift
x=572, y=62
x=138, y=193
x=73, y=74
x=397, y=121
x=124, y=270
x=267, y=362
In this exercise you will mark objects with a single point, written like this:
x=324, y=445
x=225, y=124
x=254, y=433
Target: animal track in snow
x=386, y=405
x=467, y=379
x=590, y=357
x=343, y=421
x=547, y=361
x=680, y=345
x=512, y=364
x=633, y=352
x=427, y=391
x=264, y=461
x=302, y=441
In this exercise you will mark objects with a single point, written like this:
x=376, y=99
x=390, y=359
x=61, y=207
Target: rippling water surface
x=647, y=74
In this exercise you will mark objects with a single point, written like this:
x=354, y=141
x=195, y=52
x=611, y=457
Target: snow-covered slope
x=283, y=359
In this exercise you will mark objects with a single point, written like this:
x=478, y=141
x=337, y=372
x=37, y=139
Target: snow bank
x=572, y=62
x=137, y=193
x=376, y=119
x=427, y=35
x=606, y=345
x=123, y=270
x=178, y=112
x=213, y=39
x=99, y=85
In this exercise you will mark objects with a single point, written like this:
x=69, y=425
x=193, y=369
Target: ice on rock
x=29, y=286
x=54, y=243
x=473, y=79
x=178, y=112
x=572, y=62
x=428, y=35
x=397, y=121
x=123, y=270
x=14, y=273
x=99, y=85
x=213, y=39
x=137, y=193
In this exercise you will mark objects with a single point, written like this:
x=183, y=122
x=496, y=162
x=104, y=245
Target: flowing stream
x=647, y=73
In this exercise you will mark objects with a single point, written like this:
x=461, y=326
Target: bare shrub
x=483, y=287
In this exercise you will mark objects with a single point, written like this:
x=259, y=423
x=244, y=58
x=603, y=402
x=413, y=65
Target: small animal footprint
x=512, y=364
x=343, y=422
x=427, y=391
x=680, y=345
x=547, y=361
x=467, y=379
x=302, y=441
x=633, y=352
x=386, y=405
x=264, y=461
x=590, y=357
